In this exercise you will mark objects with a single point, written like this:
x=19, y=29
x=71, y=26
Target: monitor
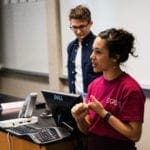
x=60, y=104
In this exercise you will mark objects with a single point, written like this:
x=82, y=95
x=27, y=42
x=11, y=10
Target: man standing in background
x=80, y=71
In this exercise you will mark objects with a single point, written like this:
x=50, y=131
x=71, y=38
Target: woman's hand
x=96, y=106
x=79, y=111
x=80, y=114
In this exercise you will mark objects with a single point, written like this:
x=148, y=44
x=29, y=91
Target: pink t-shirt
x=123, y=97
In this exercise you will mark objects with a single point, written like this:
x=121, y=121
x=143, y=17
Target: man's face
x=80, y=28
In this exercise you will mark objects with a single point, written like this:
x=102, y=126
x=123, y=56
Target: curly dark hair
x=119, y=43
x=80, y=12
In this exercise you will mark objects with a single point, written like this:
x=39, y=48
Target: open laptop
x=60, y=104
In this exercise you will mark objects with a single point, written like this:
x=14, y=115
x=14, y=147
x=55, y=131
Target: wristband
x=107, y=116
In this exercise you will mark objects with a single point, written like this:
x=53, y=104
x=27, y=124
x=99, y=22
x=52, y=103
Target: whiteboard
x=25, y=45
x=131, y=15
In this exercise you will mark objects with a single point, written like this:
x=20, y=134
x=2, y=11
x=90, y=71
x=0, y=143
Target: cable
x=8, y=140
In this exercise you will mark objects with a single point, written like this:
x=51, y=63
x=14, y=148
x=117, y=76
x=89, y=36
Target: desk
x=12, y=142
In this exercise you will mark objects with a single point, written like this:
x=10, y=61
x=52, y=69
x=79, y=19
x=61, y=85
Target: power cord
x=8, y=140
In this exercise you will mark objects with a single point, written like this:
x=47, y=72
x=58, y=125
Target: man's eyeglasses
x=81, y=27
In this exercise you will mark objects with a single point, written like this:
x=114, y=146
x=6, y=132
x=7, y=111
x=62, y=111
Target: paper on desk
x=11, y=107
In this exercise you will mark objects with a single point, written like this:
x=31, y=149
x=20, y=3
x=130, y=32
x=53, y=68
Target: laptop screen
x=60, y=103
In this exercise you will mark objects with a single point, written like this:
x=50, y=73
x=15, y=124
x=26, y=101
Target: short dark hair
x=119, y=42
x=80, y=12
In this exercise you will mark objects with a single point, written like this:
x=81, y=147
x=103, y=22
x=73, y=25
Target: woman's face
x=101, y=61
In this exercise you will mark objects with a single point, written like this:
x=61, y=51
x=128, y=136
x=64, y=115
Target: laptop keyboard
x=23, y=130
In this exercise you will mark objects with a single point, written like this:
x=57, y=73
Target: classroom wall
x=20, y=85
x=11, y=82
x=1, y=32
x=17, y=84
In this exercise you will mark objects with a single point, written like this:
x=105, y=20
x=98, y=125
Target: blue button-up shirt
x=87, y=70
